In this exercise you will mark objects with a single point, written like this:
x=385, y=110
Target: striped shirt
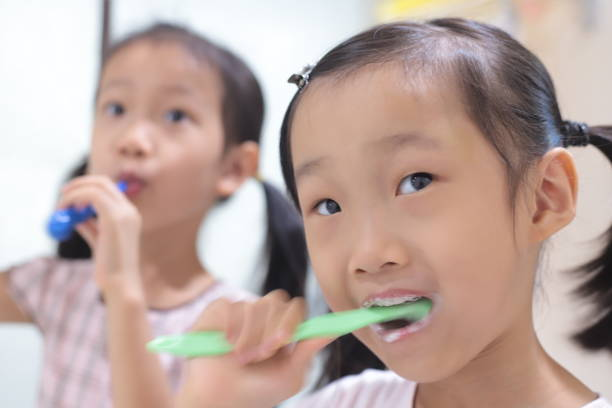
x=63, y=300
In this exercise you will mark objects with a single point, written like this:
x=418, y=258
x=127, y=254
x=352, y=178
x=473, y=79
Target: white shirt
x=377, y=389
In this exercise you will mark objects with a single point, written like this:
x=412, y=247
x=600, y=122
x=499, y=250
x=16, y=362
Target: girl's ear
x=554, y=195
x=238, y=164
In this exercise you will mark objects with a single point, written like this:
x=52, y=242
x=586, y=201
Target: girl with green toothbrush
x=428, y=161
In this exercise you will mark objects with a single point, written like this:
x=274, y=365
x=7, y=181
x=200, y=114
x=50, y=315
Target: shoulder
x=598, y=403
x=224, y=290
x=371, y=388
x=37, y=285
x=45, y=268
x=50, y=264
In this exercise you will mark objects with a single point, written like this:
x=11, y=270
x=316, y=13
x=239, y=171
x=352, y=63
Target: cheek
x=479, y=244
x=479, y=263
x=198, y=156
x=326, y=259
x=101, y=155
x=195, y=175
x=98, y=162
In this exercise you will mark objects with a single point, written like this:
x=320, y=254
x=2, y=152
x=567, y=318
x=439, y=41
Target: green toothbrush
x=213, y=343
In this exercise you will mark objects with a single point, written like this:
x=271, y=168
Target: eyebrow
x=310, y=167
x=115, y=83
x=402, y=140
x=175, y=88
x=179, y=89
x=391, y=143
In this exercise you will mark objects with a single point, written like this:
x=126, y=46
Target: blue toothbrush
x=62, y=222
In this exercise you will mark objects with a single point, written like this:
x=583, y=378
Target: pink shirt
x=376, y=389
x=64, y=302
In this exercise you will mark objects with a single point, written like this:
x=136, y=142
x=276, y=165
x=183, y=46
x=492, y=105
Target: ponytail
x=286, y=244
x=75, y=247
x=597, y=286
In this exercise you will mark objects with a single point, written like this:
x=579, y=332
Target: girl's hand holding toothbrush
x=114, y=236
x=264, y=368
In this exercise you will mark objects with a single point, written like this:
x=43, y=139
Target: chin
x=421, y=372
x=423, y=368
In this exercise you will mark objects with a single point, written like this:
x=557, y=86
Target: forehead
x=160, y=62
x=339, y=115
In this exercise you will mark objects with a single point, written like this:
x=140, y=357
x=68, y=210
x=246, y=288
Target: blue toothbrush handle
x=62, y=222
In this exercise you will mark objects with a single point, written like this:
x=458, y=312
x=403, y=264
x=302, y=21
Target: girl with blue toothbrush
x=178, y=121
x=428, y=160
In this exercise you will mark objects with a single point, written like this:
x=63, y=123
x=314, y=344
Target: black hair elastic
x=575, y=134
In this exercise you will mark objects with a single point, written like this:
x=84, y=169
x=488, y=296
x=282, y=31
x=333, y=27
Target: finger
x=213, y=317
x=249, y=341
x=283, y=327
x=278, y=300
x=278, y=295
x=269, y=344
x=88, y=179
x=89, y=231
x=107, y=205
x=83, y=196
x=294, y=314
x=103, y=182
x=233, y=323
x=305, y=350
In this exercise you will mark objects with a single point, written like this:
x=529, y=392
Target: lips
x=395, y=330
x=134, y=183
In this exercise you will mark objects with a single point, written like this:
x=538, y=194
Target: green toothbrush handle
x=193, y=344
x=341, y=323
x=213, y=343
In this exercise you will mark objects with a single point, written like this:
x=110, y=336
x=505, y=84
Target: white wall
x=48, y=62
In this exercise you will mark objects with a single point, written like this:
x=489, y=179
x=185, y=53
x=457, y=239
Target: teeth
x=391, y=336
x=390, y=301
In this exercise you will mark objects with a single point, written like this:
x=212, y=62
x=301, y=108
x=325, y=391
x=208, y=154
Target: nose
x=137, y=141
x=377, y=247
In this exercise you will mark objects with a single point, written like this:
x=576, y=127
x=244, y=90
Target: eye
x=327, y=207
x=175, y=115
x=414, y=182
x=115, y=109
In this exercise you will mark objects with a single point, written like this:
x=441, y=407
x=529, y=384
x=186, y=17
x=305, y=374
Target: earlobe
x=555, y=194
x=239, y=164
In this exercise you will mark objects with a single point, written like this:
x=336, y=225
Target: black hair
x=75, y=247
x=242, y=112
x=507, y=93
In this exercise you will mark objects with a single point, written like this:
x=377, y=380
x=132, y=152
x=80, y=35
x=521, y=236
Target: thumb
x=305, y=350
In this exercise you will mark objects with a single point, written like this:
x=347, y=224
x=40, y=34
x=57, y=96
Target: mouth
x=133, y=183
x=397, y=329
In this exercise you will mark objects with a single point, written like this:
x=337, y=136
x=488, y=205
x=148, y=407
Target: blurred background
x=49, y=58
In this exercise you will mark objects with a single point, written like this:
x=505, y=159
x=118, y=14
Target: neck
x=170, y=268
x=513, y=371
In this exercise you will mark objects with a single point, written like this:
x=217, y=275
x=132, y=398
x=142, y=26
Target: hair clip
x=575, y=133
x=301, y=79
